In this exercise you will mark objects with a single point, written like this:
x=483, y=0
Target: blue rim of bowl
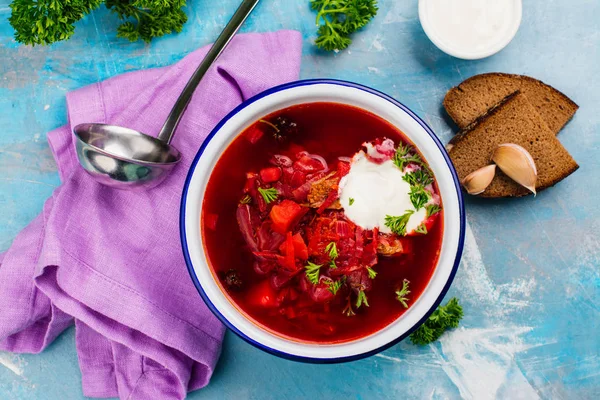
x=188, y=261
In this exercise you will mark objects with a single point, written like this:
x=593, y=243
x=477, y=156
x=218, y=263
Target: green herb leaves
x=418, y=196
x=402, y=293
x=312, y=272
x=371, y=272
x=422, y=229
x=442, y=319
x=337, y=19
x=405, y=155
x=361, y=299
x=398, y=224
x=432, y=209
x=148, y=18
x=45, y=22
x=350, y=201
x=334, y=286
x=331, y=249
x=420, y=177
x=269, y=195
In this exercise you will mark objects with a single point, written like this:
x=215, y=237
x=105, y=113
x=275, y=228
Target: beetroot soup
x=322, y=222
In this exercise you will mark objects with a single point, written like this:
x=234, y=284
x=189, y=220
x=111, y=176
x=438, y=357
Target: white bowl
x=322, y=91
x=504, y=36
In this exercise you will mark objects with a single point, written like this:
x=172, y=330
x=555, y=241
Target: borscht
x=322, y=222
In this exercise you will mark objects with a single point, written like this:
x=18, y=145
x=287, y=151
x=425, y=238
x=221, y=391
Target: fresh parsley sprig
x=442, y=319
x=372, y=273
x=338, y=19
x=332, y=251
x=269, y=195
x=361, y=299
x=48, y=21
x=312, y=272
x=398, y=224
x=334, y=286
x=432, y=209
x=422, y=229
x=418, y=196
x=405, y=155
x=402, y=293
x=420, y=177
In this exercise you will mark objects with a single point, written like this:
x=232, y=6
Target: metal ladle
x=125, y=158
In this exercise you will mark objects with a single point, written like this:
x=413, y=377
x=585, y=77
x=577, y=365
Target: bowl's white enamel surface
x=306, y=93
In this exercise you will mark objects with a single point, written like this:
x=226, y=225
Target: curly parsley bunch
x=444, y=318
x=338, y=19
x=49, y=21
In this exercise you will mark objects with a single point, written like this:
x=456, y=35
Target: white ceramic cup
x=307, y=92
x=503, y=33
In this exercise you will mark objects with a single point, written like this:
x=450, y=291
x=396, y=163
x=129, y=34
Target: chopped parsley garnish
x=334, y=286
x=421, y=229
x=362, y=299
x=432, y=209
x=372, y=273
x=442, y=319
x=418, y=196
x=312, y=272
x=331, y=249
x=350, y=201
x=270, y=195
x=398, y=224
x=246, y=199
x=419, y=177
x=405, y=155
x=402, y=293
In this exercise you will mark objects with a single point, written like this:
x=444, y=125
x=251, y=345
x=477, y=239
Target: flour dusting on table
x=12, y=362
x=481, y=363
x=475, y=285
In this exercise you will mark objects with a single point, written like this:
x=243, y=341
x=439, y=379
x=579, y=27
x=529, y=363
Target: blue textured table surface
x=530, y=276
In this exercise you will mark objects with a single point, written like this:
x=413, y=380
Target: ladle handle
x=243, y=11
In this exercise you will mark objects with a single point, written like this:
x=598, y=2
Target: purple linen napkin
x=111, y=260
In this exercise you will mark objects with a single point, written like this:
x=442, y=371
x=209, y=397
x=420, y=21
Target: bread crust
x=567, y=169
x=454, y=94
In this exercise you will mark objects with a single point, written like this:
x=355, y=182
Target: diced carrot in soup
x=285, y=215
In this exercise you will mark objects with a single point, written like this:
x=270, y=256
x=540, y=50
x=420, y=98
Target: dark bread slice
x=513, y=120
x=479, y=93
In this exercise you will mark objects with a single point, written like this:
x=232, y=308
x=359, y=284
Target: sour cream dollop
x=470, y=28
x=377, y=190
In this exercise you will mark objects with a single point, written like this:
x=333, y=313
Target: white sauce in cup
x=470, y=29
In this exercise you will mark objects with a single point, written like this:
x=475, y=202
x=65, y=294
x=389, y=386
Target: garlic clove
x=477, y=181
x=517, y=163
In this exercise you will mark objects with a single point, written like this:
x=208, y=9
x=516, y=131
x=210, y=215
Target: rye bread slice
x=513, y=120
x=479, y=93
